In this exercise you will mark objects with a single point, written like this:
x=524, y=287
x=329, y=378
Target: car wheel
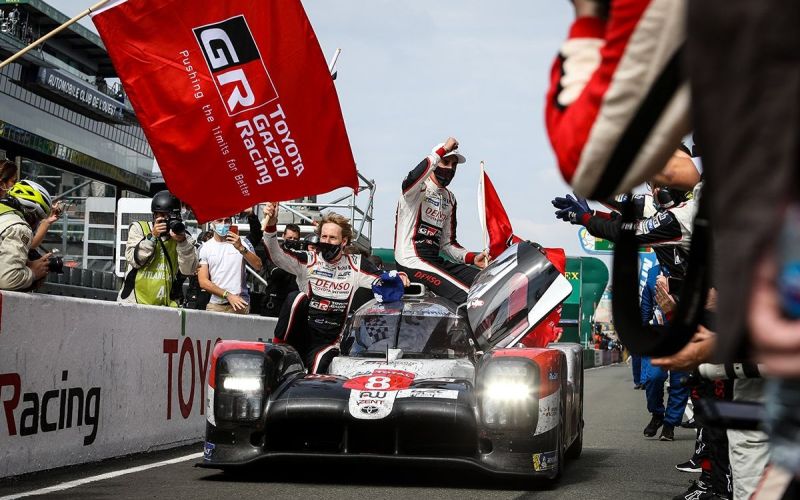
x=561, y=438
x=575, y=449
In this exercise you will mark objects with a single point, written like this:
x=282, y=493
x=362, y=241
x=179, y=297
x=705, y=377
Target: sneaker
x=667, y=433
x=689, y=466
x=638, y=386
x=689, y=424
x=698, y=490
x=652, y=427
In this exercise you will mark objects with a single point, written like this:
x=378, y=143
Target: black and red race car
x=418, y=380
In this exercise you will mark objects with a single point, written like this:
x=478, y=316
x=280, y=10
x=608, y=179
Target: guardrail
x=85, y=380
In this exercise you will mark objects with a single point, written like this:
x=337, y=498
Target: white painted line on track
x=101, y=477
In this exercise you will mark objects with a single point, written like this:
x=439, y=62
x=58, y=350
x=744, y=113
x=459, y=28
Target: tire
x=575, y=449
x=561, y=438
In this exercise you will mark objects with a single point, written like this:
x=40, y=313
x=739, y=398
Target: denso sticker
x=545, y=461
x=428, y=393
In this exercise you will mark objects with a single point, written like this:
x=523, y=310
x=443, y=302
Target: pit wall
x=85, y=380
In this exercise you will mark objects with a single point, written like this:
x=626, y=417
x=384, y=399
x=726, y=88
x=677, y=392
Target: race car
x=420, y=380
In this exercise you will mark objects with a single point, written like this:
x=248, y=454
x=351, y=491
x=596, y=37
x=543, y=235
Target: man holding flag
x=426, y=227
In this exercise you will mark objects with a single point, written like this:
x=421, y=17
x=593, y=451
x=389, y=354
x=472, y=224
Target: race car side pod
x=658, y=341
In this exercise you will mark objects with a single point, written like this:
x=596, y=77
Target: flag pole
x=332, y=65
x=482, y=204
x=53, y=33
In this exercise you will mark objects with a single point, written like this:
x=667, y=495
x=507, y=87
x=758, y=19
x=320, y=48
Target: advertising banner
x=84, y=380
x=235, y=99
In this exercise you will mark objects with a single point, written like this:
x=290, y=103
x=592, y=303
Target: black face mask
x=329, y=251
x=292, y=244
x=444, y=175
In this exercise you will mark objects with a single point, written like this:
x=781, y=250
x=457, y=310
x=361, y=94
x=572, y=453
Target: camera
x=55, y=264
x=175, y=224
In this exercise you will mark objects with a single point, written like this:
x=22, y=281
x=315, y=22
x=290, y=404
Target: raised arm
x=292, y=262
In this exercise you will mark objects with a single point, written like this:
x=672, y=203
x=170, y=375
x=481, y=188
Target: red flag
x=501, y=236
x=496, y=222
x=235, y=98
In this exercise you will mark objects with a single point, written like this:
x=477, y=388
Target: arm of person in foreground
x=775, y=338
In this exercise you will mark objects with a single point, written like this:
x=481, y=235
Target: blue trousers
x=636, y=366
x=645, y=370
x=678, y=395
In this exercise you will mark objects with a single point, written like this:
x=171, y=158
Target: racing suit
x=425, y=226
x=669, y=232
x=618, y=101
x=312, y=319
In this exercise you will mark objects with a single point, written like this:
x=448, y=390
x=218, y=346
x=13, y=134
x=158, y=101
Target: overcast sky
x=414, y=72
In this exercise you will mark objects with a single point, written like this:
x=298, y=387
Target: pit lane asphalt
x=617, y=463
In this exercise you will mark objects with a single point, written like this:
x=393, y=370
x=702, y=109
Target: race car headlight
x=240, y=388
x=508, y=393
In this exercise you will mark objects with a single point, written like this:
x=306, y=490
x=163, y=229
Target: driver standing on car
x=312, y=320
x=426, y=227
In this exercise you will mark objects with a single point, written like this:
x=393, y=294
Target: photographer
x=24, y=206
x=155, y=251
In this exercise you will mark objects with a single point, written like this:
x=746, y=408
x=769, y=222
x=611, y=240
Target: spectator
x=282, y=283
x=155, y=253
x=311, y=241
x=222, y=269
x=197, y=298
x=426, y=226
x=25, y=204
x=313, y=319
x=8, y=176
x=678, y=393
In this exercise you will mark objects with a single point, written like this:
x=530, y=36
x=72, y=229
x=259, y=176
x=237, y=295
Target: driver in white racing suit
x=426, y=226
x=312, y=319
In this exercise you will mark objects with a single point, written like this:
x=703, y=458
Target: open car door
x=514, y=294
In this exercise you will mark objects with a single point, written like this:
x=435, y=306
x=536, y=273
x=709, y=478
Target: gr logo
x=240, y=76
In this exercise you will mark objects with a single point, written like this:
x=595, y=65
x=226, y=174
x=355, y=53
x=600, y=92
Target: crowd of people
x=319, y=279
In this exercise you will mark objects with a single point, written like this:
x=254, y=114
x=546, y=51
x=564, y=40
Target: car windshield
x=425, y=330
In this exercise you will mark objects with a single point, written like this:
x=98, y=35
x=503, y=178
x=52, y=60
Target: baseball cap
x=461, y=158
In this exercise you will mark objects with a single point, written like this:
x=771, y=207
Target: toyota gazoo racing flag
x=500, y=235
x=235, y=98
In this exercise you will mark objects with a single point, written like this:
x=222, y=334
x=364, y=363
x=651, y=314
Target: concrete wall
x=84, y=380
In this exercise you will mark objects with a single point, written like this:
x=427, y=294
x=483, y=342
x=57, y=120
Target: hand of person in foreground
x=699, y=350
x=776, y=338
